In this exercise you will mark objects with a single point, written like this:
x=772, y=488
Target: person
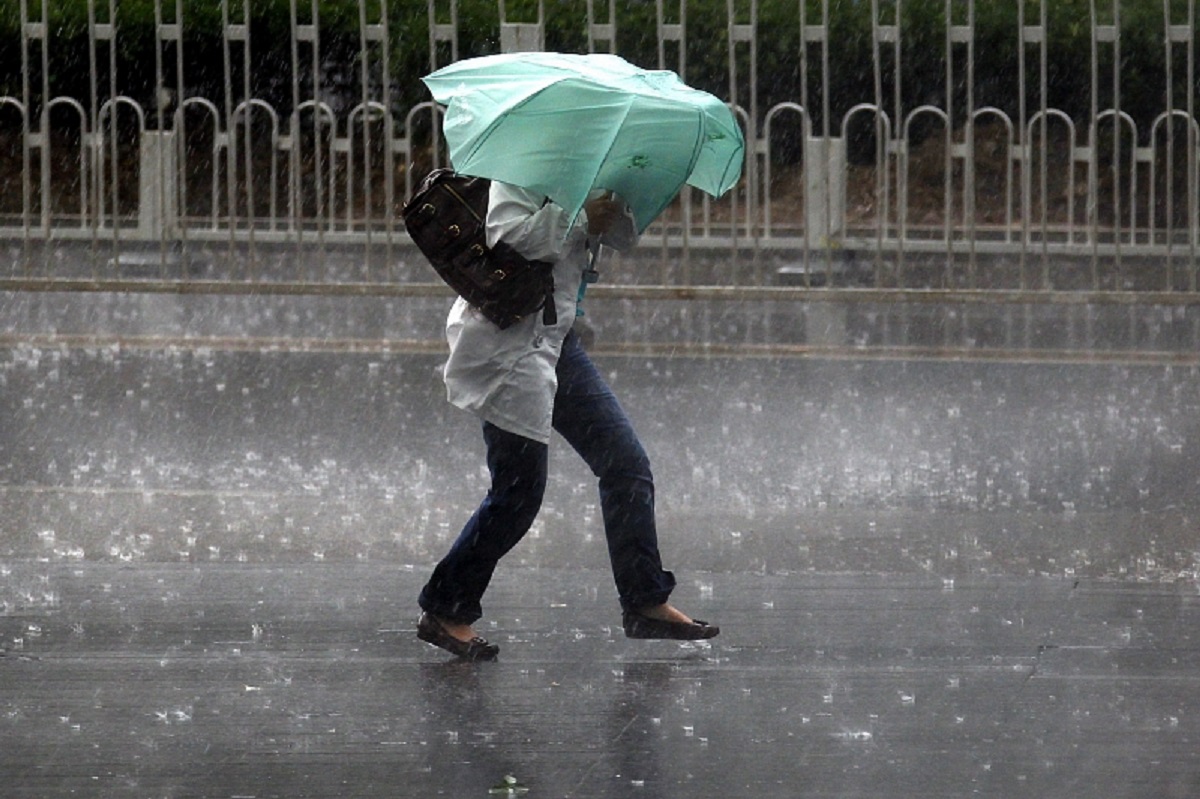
x=524, y=381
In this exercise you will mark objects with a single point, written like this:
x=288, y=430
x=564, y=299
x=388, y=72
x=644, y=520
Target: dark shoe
x=431, y=631
x=639, y=626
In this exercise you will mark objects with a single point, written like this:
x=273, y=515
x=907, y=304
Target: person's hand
x=602, y=213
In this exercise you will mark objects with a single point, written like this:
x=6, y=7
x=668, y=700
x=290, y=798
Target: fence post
x=158, y=214
x=824, y=190
x=602, y=31
x=523, y=37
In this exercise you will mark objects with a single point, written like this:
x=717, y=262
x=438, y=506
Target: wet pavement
x=220, y=680
x=934, y=579
x=170, y=451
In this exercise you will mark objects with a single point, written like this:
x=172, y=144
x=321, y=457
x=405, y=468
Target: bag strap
x=549, y=312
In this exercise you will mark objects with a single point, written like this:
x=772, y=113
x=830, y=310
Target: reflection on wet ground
x=934, y=579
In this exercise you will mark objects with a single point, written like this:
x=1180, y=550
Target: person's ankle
x=665, y=612
x=463, y=632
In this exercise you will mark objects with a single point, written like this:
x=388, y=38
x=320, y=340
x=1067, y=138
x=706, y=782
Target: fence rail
x=890, y=193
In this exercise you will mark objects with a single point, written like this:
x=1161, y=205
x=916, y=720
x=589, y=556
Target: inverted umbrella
x=563, y=125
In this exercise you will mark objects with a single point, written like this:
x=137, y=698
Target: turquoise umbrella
x=563, y=125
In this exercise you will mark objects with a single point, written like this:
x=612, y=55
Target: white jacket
x=507, y=377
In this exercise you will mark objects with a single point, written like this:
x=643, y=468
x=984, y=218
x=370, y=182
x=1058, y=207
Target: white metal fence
x=947, y=193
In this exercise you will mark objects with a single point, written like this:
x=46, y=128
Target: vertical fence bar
x=675, y=32
x=949, y=151
x=309, y=33
x=1027, y=35
x=602, y=31
x=224, y=136
x=236, y=32
x=735, y=33
x=106, y=32
x=1183, y=34
x=884, y=147
x=745, y=33
x=1109, y=33
x=672, y=32
x=818, y=169
x=439, y=33
x=166, y=215
x=1022, y=152
x=1169, y=116
x=1039, y=31
x=180, y=131
x=1044, y=128
x=1118, y=210
x=41, y=139
x=96, y=139
x=1193, y=152
x=32, y=31
x=827, y=122
x=964, y=36
x=1180, y=34
x=817, y=34
x=522, y=36
x=374, y=33
x=1091, y=212
x=291, y=140
x=442, y=33
x=390, y=143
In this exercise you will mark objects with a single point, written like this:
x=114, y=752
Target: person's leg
x=518, y=469
x=588, y=416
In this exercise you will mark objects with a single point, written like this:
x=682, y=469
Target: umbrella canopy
x=564, y=125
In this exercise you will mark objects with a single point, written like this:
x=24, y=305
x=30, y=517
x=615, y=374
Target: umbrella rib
x=479, y=142
x=616, y=130
x=697, y=146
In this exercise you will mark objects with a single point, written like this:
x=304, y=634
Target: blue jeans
x=588, y=416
